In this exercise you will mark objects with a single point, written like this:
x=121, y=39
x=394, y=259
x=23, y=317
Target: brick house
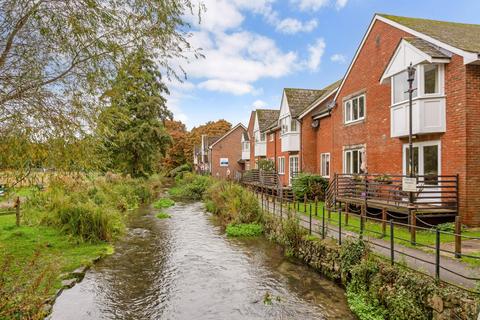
x=369, y=128
x=201, y=155
x=260, y=121
x=225, y=154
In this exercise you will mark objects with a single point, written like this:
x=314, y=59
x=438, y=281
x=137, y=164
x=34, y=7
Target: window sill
x=354, y=122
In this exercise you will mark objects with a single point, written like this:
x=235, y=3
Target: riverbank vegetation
x=244, y=230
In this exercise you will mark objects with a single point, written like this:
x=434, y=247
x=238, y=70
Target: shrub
x=163, y=203
x=244, y=230
x=310, y=185
x=293, y=233
x=191, y=187
x=180, y=170
x=163, y=215
x=266, y=165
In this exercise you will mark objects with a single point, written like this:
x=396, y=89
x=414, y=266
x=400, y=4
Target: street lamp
x=411, y=77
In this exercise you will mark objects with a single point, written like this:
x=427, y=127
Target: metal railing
x=387, y=243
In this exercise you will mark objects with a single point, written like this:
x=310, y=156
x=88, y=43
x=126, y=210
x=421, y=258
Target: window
x=263, y=137
x=245, y=146
x=352, y=161
x=293, y=125
x=400, y=87
x=355, y=109
x=426, y=161
x=430, y=78
x=325, y=165
x=272, y=137
x=284, y=124
x=293, y=167
x=281, y=165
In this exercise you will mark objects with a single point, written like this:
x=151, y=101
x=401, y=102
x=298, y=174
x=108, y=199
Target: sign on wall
x=409, y=184
x=223, y=162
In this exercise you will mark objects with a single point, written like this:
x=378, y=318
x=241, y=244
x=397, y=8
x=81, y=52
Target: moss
x=244, y=230
x=163, y=215
x=163, y=203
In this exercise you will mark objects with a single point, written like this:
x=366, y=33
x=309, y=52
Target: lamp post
x=411, y=77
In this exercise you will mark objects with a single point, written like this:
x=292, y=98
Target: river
x=186, y=268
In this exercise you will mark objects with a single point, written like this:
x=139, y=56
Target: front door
x=293, y=168
x=426, y=164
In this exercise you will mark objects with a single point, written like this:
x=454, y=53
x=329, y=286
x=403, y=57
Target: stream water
x=186, y=268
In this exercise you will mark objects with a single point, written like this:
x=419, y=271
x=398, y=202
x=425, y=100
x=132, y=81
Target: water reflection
x=185, y=268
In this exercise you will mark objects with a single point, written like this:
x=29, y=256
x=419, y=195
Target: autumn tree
x=176, y=155
x=131, y=128
x=212, y=129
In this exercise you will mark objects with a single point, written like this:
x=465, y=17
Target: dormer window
x=431, y=78
x=354, y=109
x=288, y=124
x=293, y=126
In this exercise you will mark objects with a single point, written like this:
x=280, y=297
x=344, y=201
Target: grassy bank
x=65, y=226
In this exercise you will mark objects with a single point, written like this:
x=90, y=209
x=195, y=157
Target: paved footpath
x=451, y=270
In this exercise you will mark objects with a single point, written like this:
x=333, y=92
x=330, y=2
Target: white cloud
x=220, y=15
x=292, y=26
x=316, y=52
x=237, y=88
x=338, y=57
x=259, y=104
x=313, y=5
x=341, y=3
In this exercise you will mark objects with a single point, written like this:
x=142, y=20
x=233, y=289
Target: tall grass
x=191, y=186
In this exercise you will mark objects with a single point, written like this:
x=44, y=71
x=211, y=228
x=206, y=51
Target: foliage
x=266, y=165
x=233, y=203
x=163, y=203
x=163, y=215
x=191, y=187
x=56, y=55
x=180, y=170
x=176, y=156
x=211, y=129
x=310, y=185
x=23, y=293
x=449, y=227
x=293, y=233
x=351, y=254
x=131, y=128
x=244, y=230
x=360, y=305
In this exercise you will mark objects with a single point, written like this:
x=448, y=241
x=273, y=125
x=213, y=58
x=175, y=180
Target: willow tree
x=57, y=57
x=132, y=128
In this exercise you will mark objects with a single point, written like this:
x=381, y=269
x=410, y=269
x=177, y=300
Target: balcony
x=246, y=154
x=260, y=149
x=428, y=117
x=290, y=142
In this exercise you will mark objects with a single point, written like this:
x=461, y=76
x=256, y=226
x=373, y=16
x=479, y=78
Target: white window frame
x=263, y=137
x=290, y=171
x=420, y=77
x=348, y=114
x=350, y=151
x=281, y=165
x=272, y=137
x=323, y=164
x=422, y=144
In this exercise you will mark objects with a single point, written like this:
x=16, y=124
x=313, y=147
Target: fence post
x=17, y=211
x=362, y=221
x=458, y=237
x=437, y=254
x=413, y=229
x=281, y=207
x=392, y=244
x=305, y=203
x=384, y=222
x=316, y=206
x=310, y=222
x=346, y=213
x=323, y=223
x=339, y=226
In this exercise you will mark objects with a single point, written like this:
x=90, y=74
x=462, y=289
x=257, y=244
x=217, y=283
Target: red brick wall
x=279, y=153
x=384, y=154
x=230, y=147
x=271, y=146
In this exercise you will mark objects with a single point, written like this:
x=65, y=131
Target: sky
x=254, y=48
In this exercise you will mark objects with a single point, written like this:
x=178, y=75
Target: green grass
x=163, y=215
x=66, y=253
x=244, y=230
x=373, y=228
x=163, y=203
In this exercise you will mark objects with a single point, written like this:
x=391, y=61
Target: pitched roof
x=212, y=140
x=326, y=92
x=218, y=139
x=460, y=35
x=266, y=117
x=300, y=99
x=427, y=47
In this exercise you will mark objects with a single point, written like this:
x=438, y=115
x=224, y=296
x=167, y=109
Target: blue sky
x=255, y=48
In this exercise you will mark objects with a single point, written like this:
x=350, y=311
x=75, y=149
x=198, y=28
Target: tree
x=131, y=127
x=212, y=129
x=176, y=153
x=56, y=56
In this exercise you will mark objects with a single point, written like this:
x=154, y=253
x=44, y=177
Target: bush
x=191, y=187
x=266, y=165
x=244, y=230
x=163, y=203
x=233, y=203
x=180, y=170
x=163, y=215
x=310, y=185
